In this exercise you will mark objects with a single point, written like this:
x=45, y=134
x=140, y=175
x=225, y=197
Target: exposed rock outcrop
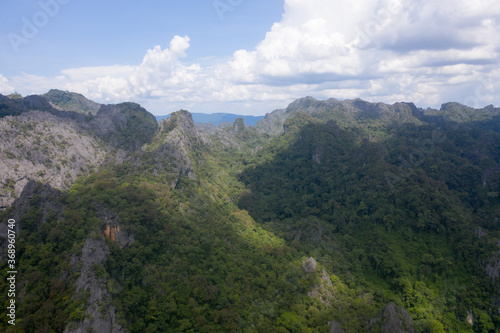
x=52, y=146
x=470, y=317
x=113, y=229
x=100, y=316
x=493, y=271
x=493, y=266
x=347, y=112
x=309, y=265
x=324, y=290
x=395, y=319
x=41, y=146
x=169, y=155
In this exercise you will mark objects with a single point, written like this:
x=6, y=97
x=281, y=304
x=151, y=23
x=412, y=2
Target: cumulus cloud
x=311, y=39
x=5, y=87
x=159, y=72
x=423, y=51
x=390, y=49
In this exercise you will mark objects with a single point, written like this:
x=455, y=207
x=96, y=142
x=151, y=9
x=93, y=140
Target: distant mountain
x=217, y=118
x=70, y=101
x=347, y=113
x=373, y=117
x=16, y=106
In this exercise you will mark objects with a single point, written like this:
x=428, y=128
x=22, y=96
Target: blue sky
x=101, y=33
x=252, y=56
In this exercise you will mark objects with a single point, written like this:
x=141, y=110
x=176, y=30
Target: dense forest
x=327, y=216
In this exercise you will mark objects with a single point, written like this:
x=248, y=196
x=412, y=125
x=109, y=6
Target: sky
x=253, y=56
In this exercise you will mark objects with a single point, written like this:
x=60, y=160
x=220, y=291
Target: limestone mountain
x=70, y=101
x=218, y=118
x=42, y=143
x=347, y=113
x=328, y=216
x=168, y=157
x=463, y=114
x=38, y=145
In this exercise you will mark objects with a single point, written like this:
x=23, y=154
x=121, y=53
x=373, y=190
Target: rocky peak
x=180, y=128
x=453, y=106
x=45, y=147
x=347, y=113
x=126, y=126
x=309, y=265
x=70, y=101
x=304, y=103
x=239, y=124
x=170, y=153
x=182, y=120
x=395, y=319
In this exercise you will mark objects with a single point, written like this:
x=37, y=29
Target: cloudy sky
x=253, y=56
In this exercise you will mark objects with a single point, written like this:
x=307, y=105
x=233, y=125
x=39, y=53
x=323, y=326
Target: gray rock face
x=125, y=126
x=99, y=316
x=493, y=267
x=323, y=291
x=113, y=229
x=169, y=153
x=309, y=266
x=41, y=146
x=54, y=147
x=395, y=319
x=273, y=122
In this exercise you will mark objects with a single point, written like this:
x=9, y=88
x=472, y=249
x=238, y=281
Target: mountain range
x=218, y=118
x=325, y=216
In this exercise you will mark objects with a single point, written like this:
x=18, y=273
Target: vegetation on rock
x=328, y=216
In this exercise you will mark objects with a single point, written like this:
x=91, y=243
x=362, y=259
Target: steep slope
x=398, y=214
x=218, y=118
x=168, y=157
x=195, y=261
x=41, y=146
x=54, y=147
x=350, y=217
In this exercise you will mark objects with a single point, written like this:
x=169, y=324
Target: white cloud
x=5, y=87
x=164, y=59
x=423, y=51
x=388, y=43
x=311, y=39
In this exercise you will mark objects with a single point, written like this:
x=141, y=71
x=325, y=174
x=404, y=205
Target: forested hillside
x=327, y=216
